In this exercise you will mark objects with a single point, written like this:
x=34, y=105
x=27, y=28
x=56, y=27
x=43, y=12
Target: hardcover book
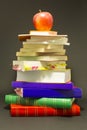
x=43, y=46
x=43, y=58
x=42, y=50
x=48, y=76
x=38, y=65
x=49, y=93
x=48, y=40
x=40, y=53
x=50, y=102
x=24, y=37
x=39, y=85
x=19, y=110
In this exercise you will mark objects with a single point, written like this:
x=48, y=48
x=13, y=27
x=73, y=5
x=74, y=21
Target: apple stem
x=39, y=10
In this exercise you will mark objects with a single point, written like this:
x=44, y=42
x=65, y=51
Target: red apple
x=43, y=21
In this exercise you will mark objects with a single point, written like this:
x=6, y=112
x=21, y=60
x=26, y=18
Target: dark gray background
x=70, y=17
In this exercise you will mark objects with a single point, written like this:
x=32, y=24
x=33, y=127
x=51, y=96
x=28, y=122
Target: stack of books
x=43, y=85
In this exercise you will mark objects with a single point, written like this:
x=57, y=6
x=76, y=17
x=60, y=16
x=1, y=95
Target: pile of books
x=43, y=85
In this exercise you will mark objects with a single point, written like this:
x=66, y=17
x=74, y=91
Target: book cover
x=49, y=93
x=49, y=76
x=51, y=102
x=38, y=65
x=20, y=110
x=23, y=84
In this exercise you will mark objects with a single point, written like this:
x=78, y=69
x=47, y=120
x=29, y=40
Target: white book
x=44, y=76
x=38, y=65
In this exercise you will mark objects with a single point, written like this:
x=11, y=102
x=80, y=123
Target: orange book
x=20, y=110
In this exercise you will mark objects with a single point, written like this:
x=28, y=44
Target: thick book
x=21, y=84
x=49, y=93
x=35, y=32
x=48, y=76
x=51, y=102
x=38, y=65
x=43, y=58
x=20, y=110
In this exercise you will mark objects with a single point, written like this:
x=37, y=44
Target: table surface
x=42, y=123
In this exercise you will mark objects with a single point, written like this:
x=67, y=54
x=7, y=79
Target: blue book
x=21, y=84
x=49, y=93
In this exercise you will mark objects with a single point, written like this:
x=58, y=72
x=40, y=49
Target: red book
x=19, y=110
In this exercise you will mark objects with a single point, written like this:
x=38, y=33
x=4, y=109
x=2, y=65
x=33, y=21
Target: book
x=49, y=76
x=42, y=50
x=24, y=37
x=20, y=110
x=35, y=32
x=49, y=93
x=21, y=84
x=48, y=40
x=43, y=58
x=50, y=102
x=40, y=46
x=38, y=65
x=40, y=53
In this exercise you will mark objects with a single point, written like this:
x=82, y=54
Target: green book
x=51, y=102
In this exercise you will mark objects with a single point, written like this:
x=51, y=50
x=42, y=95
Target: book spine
x=21, y=84
x=51, y=102
x=49, y=93
x=19, y=110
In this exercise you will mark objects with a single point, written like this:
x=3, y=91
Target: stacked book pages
x=43, y=85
